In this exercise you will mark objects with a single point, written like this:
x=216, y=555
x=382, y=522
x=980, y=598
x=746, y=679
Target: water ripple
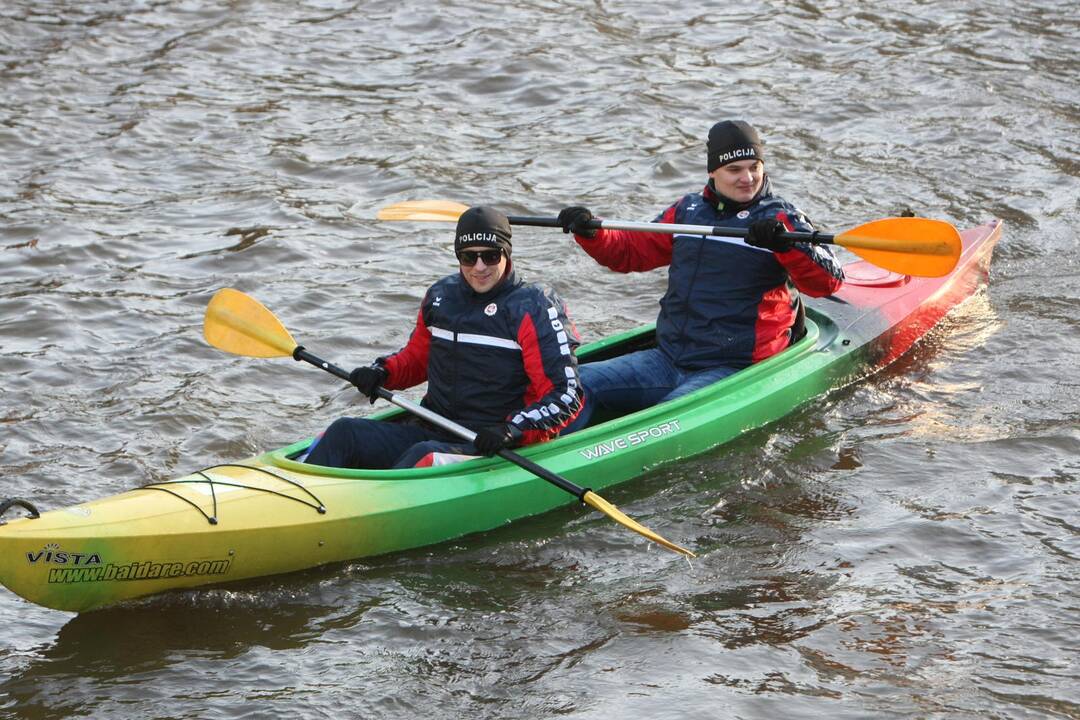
x=902, y=547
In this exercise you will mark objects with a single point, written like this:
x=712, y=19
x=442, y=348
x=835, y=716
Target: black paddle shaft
x=671, y=229
x=299, y=353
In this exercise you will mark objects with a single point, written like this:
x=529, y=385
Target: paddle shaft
x=671, y=229
x=449, y=425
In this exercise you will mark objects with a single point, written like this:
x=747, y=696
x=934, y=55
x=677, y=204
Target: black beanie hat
x=482, y=226
x=732, y=140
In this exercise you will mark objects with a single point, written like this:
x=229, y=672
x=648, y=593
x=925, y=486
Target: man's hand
x=368, y=379
x=766, y=234
x=490, y=440
x=575, y=220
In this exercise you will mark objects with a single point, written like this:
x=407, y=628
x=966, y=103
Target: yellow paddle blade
x=626, y=521
x=907, y=245
x=239, y=324
x=423, y=210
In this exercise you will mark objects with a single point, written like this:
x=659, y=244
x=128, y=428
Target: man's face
x=482, y=276
x=740, y=180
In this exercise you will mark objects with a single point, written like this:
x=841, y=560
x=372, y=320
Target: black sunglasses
x=469, y=257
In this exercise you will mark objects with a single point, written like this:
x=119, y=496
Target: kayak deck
x=271, y=514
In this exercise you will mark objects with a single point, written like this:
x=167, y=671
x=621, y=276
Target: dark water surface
x=907, y=547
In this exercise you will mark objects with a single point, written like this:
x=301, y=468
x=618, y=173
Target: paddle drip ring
x=17, y=502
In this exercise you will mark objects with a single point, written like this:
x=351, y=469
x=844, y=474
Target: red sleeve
x=552, y=398
x=813, y=268
x=628, y=251
x=408, y=366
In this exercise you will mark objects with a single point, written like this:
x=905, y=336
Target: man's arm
x=408, y=366
x=629, y=251
x=548, y=340
x=813, y=268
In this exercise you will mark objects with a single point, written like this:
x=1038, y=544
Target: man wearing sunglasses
x=497, y=354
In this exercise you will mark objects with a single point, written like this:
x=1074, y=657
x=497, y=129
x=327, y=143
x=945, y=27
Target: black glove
x=766, y=234
x=575, y=220
x=490, y=440
x=368, y=379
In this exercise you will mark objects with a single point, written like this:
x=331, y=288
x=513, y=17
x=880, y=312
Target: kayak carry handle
x=18, y=502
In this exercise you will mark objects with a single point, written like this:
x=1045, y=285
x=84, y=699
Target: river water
x=905, y=547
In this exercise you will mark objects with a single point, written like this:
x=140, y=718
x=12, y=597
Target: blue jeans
x=639, y=380
x=378, y=445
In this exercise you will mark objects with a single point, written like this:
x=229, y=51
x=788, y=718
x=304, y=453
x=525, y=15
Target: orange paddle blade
x=912, y=246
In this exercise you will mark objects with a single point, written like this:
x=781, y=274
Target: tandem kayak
x=272, y=514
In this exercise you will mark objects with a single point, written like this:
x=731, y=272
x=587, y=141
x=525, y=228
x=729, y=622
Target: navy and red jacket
x=727, y=303
x=506, y=355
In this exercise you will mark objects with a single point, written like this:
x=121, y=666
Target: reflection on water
x=115, y=647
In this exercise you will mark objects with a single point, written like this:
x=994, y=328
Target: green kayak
x=272, y=514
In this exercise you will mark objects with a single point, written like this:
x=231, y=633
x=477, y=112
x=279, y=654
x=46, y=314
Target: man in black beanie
x=731, y=141
x=729, y=303
x=497, y=354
